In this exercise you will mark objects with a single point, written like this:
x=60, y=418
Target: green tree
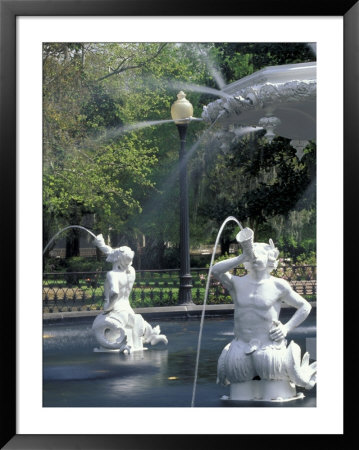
x=88, y=170
x=92, y=164
x=238, y=60
x=127, y=178
x=257, y=182
x=265, y=186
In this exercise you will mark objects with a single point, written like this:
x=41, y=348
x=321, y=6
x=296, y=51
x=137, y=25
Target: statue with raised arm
x=119, y=328
x=258, y=364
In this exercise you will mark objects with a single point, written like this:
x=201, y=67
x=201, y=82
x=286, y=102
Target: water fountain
x=280, y=100
x=76, y=376
x=258, y=364
x=119, y=328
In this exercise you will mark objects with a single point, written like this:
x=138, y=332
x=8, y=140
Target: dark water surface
x=162, y=376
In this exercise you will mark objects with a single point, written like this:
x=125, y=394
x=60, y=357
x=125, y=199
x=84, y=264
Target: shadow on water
x=162, y=376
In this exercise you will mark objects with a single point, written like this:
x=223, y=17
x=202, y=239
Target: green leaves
x=258, y=183
x=128, y=180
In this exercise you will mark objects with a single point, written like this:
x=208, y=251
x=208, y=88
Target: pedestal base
x=264, y=390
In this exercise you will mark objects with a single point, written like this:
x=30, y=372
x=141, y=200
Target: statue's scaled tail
x=300, y=371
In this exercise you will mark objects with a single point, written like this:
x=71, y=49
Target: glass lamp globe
x=181, y=109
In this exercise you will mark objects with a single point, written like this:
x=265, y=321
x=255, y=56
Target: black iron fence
x=84, y=291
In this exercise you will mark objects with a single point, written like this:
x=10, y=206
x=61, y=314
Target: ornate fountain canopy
x=281, y=99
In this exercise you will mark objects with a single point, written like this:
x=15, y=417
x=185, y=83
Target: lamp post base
x=185, y=290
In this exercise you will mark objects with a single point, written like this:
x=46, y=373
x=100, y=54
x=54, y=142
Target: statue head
x=266, y=257
x=123, y=256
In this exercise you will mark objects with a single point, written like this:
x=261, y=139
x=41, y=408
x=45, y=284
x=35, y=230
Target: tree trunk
x=73, y=236
x=73, y=243
x=225, y=243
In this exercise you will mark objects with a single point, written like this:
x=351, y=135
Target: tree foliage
x=263, y=185
x=100, y=162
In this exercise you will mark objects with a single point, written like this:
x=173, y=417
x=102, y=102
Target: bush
x=171, y=258
x=86, y=264
x=75, y=264
x=299, y=252
x=307, y=259
x=200, y=260
x=221, y=258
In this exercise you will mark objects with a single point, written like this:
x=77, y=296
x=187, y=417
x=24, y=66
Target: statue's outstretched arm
x=100, y=243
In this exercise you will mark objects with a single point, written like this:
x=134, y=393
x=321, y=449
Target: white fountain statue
x=119, y=328
x=258, y=364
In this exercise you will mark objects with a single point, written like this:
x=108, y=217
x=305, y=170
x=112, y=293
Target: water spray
x=63, y=229
x=230, y=218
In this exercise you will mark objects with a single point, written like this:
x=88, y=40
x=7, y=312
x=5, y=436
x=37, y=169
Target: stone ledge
x=178, y=311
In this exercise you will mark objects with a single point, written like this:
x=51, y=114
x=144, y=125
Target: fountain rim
x=297, y=71
x=156, y=313
x=270, y=93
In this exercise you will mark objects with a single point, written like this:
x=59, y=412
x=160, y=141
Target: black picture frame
x=9, y=10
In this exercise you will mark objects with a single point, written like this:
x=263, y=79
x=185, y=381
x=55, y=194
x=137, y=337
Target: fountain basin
x=162, y=376
x=286, y=93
